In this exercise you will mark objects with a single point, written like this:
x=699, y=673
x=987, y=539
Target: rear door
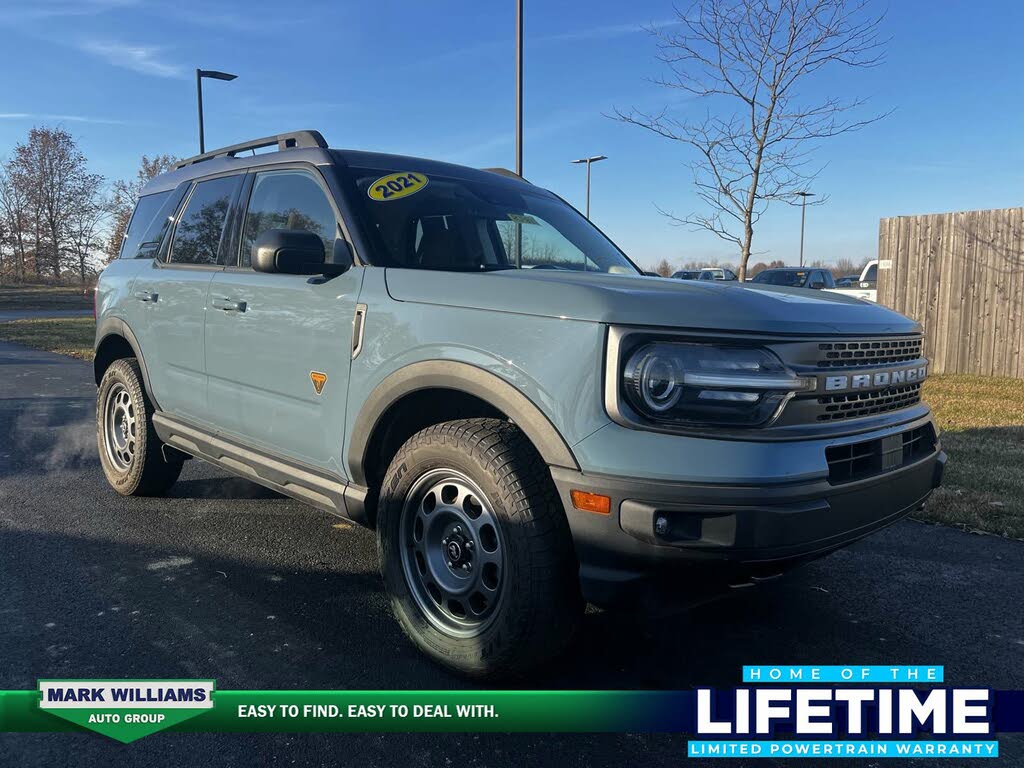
x=279, y=347
x=171, y=298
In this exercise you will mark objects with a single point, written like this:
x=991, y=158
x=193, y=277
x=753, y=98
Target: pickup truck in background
x=866, y=287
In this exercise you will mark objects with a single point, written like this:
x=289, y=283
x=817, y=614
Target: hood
x=652, y=301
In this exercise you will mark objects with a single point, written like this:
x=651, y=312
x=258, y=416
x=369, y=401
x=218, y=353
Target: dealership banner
x=779, y=711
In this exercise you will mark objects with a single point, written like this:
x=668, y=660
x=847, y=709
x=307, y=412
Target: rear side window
x=149, y=223
x=198, y=233
x=287, y=200
x=145, y=211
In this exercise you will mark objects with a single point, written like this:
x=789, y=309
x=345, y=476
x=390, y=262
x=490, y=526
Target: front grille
x=856, y=461
x=849, y=354
x=857, y=404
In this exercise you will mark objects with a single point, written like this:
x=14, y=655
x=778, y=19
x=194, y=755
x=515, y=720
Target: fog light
x=661, y=525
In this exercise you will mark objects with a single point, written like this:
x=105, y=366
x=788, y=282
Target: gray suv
x=462, y=362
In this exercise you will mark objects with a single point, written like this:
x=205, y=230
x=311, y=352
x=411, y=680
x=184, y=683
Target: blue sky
x=436, y=79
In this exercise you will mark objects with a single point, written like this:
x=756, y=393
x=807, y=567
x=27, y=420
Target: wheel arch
x=116, y=341
x=428, y=392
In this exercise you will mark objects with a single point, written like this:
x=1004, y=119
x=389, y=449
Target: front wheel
x=129, y=448
x=475, y=550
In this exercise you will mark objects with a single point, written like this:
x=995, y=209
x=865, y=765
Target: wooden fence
x=962, y=276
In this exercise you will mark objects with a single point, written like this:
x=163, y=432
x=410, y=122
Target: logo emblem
x=126, y=710
x=318, y=379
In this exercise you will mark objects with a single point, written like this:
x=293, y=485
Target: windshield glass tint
x=445, y=223
x=794, y=279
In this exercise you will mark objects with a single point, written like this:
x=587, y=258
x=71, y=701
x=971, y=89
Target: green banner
x=360, y=712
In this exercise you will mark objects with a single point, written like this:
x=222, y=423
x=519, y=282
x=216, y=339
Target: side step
x=305, y=484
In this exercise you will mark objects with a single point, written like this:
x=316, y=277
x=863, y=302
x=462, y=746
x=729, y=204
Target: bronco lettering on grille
x=875, y=380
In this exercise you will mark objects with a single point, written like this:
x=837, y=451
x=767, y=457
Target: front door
x=170, y=299
x=278, y=347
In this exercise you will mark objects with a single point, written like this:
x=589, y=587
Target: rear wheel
x=475, y=550
x=129, y=448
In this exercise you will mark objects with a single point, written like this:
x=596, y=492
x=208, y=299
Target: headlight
x=703, y=384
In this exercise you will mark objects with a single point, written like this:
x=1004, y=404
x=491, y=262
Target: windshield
x=426, y=221
x=792, y=278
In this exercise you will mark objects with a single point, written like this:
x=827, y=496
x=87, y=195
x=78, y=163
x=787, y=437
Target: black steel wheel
x=475, y=549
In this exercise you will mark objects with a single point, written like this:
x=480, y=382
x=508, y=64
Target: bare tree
x=51, y=175
x=84, y=225
x=663, y=268
x=14, y=215
x=52, y=209
x=126, y=193
x=748, y=61
x=844, y=267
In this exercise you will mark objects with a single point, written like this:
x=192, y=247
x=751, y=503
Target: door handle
x=145, y=296
x=229, y=305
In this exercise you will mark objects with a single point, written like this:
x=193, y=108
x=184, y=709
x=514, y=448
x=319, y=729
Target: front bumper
x=725, y=534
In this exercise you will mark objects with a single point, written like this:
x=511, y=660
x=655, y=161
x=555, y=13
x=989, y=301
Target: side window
x=287, y=200
x=200, y=226
x=830, y=282
x=149, y=223
x=143, y=216
x=872, y=275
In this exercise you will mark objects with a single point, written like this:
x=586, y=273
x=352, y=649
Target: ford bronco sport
x=461, y=361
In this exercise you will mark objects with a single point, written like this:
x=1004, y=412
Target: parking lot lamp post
x=213, y=75
x=803, y=219
x=589, y=161
x=519, y=87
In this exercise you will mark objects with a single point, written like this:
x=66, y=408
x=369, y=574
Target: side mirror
x=818, y=285
x=298, y=252
x=288, y=252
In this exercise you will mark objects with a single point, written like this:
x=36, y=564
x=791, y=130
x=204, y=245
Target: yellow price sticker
x=395, y=186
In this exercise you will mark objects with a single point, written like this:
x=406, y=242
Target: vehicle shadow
x=118, y=610
x=221, y=488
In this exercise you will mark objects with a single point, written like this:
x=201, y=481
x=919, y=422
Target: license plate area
x=856, y=461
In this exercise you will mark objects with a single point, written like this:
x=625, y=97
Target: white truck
x=867, y=286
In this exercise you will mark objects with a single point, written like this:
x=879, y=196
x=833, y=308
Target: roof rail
x=293, y=140
x=505, y=172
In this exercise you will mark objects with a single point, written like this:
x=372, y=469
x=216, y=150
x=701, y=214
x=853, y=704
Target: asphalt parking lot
x=229, y=581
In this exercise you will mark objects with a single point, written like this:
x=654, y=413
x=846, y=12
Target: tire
x=481, y=484
x=129, y=448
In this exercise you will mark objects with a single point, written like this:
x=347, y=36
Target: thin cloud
x=603, y=32
x=560, y=123
x=138, y=58
x=51, y=9
x=229, y=19
x=59, y=118
x=607, y=32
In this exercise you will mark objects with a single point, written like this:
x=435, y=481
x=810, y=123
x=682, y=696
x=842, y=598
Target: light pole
x=519, y=87
x=803, y=219
x=589, y=161
x=213, y=75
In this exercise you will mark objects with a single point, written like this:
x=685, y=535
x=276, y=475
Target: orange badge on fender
x=318, y=379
